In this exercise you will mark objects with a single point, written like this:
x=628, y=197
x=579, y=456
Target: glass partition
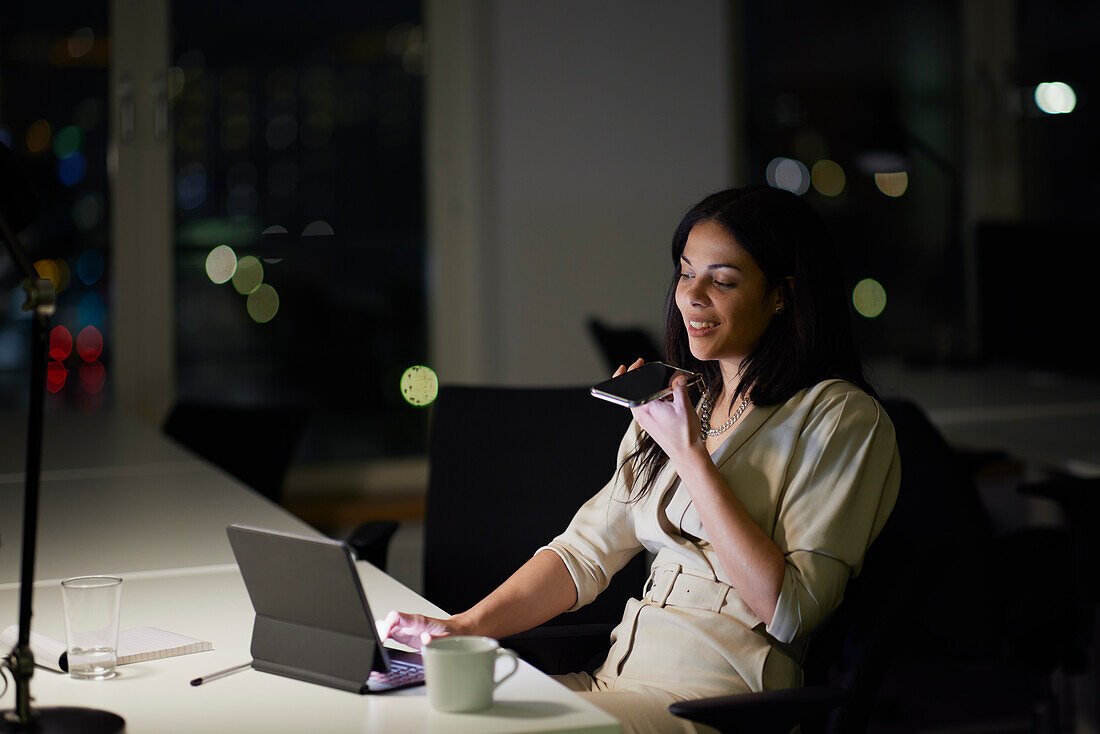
x=53, y=115
x=299, y=214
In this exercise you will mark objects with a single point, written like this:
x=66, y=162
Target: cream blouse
x=819, y=474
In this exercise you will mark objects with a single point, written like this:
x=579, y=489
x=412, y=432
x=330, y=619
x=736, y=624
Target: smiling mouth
x=701, y=328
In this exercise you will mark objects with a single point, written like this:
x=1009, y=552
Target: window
x=53, y=115
x=299, y=214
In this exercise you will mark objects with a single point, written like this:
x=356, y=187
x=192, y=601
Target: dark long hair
x=810, y=341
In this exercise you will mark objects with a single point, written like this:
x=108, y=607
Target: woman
x=758, y=494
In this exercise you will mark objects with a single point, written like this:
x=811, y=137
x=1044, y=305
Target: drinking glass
x=91, y=625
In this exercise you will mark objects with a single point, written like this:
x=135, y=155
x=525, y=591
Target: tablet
x=313, y=621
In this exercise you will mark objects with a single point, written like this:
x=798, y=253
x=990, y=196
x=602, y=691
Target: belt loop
x=675, y=572
x=720, y=598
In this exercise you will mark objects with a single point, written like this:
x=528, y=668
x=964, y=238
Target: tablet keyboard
x=402, y=675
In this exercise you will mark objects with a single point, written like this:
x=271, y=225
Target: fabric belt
x=672, y=586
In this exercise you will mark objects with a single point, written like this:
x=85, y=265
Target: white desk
x=133, y=523
x=156, y=696
x=161, y=515
x=103, y=443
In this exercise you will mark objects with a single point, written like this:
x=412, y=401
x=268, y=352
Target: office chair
x=253, y=443
x=370, y=541
x=508, y=470
x=622, y=345
x=1079, y=500
x=937, y=511
x=1050, y=620
x=509, y=467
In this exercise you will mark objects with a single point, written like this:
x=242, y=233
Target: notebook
x=135, y=645
x=312, y=620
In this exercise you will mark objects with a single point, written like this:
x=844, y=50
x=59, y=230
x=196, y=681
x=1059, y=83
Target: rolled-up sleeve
x=842, y=484
x=601, y=538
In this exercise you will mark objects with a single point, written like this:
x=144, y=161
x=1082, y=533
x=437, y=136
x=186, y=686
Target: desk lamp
x=18, y=206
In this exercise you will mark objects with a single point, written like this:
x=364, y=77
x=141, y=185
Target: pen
x=221, y=674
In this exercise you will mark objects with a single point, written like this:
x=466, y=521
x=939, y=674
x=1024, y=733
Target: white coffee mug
x=460, y=672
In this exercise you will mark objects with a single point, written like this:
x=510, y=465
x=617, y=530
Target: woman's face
x=722, y=296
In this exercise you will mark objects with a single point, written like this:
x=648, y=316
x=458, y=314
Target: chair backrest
x=622, y=345
x=938, y=510
x=508, y=470
x=253, y=443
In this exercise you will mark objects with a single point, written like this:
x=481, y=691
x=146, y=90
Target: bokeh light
x=318, y=228
x=64, y=274
x=38, y=136
x=1055, y=98
x=419, y=385
x=249, y=275
x=56, y=374
x=191, y=186
x=221, y=264
x=89, y=344
x=92, y=376
x=68, y=140
x=828, y=177
x=176, y=80
x=282, y=131
x=81, y=42
x=16, y=298
x=55, y=271
x=262, y=304
x=869, y=298
x=61, y=343
x=91, y=309
x=71, y=170
x=87, y=211
x=892, y=184
x=236, y=131
x=13, y=348
x=89, y=267
x=788, y=174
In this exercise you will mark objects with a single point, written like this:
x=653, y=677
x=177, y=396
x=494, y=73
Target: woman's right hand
x=414, y=630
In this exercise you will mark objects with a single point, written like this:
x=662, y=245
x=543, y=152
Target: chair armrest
x=371, y=541
x=1072, y=493
x=769, y=711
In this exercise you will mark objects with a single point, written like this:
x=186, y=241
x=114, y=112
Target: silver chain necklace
x=705, y=418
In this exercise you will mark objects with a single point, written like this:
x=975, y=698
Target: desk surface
x=159, y=517
x=102, y=443
x=213, y=605
x=133, y=523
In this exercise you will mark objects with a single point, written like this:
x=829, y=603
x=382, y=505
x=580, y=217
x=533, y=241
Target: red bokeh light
x=55, y=376
x=61, y=344
x=89, y=344
x=92, y=376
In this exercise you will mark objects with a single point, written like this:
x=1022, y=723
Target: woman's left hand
x=673, y=424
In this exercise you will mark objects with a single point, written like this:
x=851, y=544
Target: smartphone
x=637, y=387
